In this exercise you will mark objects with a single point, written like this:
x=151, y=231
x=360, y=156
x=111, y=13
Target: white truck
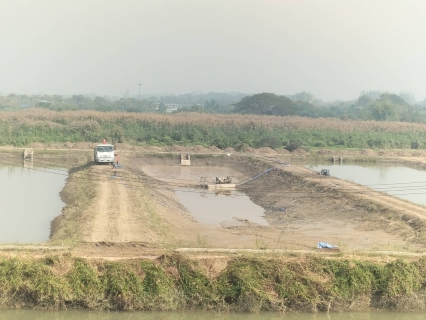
x=103, y=153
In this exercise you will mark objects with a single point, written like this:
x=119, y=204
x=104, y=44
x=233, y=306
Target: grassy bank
x=247, y=284
x=78, y=194
x=36, y=125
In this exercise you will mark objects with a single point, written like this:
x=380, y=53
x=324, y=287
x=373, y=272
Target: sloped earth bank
x=130, y=210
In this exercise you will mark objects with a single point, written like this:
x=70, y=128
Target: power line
x=141, y=183
x=137, y=186
x=48, y=162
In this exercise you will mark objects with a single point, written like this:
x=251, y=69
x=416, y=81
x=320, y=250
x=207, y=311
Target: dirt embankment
x=130, y=209
x=126, y=209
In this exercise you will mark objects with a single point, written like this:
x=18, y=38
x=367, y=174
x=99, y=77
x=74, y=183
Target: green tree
x=271, y=104
x=384, y=110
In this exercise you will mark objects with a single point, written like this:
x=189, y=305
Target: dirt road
x=113, y=220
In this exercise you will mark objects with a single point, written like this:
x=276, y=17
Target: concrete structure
x=172, y=107
x=28, y=154
x=185, y=159
x=337, y=159
x=224, y=186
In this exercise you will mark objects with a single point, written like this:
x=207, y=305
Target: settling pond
x=210, y=208
x=29, y=202
x=79, y=314
x=224, y=208
x=402, y=182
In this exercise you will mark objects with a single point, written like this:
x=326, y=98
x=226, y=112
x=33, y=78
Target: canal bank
x=243, y=283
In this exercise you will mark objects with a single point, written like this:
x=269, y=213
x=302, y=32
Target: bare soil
x=133, y=213
x=301, y=208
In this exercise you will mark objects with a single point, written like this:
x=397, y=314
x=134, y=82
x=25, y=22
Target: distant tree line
x=204, y=103
x=371, y=105
x=383, y=107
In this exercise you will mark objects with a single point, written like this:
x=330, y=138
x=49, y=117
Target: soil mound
x=283, y=151
x=264, y=150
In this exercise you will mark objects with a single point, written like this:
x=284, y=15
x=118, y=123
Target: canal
x=30, y=200
x=91, y=315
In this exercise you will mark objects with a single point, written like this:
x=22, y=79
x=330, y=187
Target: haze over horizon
x=333, y=49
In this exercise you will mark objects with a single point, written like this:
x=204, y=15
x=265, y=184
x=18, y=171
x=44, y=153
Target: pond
x=224, y=208
x=399, y=181
x=30, y=200
x=220, y=208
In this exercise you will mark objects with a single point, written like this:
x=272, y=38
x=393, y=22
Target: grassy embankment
x=37, y=125
x=77, y=194
x=248, y=284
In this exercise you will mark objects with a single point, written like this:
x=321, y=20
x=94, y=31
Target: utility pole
x=140, y=91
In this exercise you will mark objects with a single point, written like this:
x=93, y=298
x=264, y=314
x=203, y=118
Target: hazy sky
x=331, y=48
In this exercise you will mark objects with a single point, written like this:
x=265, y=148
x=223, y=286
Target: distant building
x=172, y=107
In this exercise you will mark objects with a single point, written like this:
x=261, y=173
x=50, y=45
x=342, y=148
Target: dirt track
x=113, y=221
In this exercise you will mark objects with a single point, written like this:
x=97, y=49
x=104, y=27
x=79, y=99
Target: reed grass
x=21, y=128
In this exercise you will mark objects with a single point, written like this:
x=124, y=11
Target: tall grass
x=248, y=284
x=37, y=125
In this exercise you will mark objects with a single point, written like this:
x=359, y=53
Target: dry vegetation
x=34, y=117
x=239, y=131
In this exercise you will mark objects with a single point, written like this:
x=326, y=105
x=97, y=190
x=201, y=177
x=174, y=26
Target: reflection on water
x=405, y=183
x=220, y=208
x=28, y=164
x=29, y=202
x=88, y=315
x=189, y=175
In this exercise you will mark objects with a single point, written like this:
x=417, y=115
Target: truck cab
x=103, y=153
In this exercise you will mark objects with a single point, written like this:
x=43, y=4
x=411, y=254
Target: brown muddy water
x=399, y=181
x=88, y=315
x=224, y=208
x=29, y=202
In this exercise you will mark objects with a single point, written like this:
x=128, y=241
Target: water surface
x=29, y=202
x=222, y=208
x=403, y=182
x=91, y=315
x=189, y=175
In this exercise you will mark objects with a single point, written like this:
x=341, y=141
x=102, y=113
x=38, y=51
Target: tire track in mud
x=113, y=219
x=120, y=214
